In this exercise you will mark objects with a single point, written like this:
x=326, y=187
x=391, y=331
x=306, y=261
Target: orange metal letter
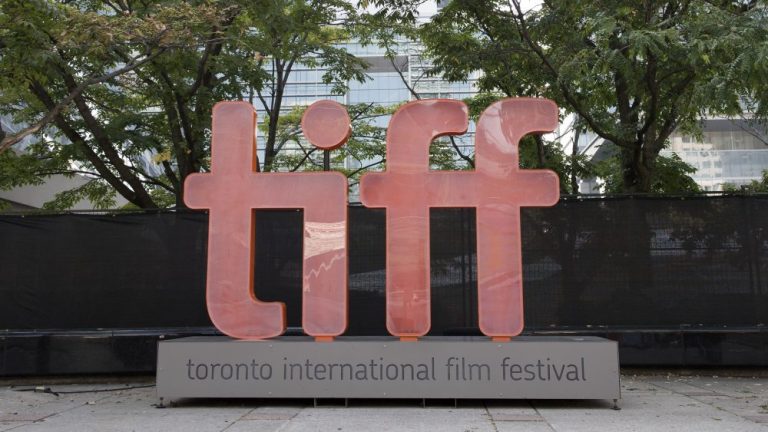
x=497, y=188
x=232, y=190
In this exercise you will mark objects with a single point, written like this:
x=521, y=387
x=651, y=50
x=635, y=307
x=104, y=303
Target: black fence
x=678, y=281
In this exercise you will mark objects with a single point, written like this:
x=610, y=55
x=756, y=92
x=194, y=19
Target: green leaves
x=98, y=192
x=363, y=152
x=754, y=186
x=122, y=91
x=634, y=71
x=670, y=176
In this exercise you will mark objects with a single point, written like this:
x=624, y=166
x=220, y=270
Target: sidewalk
x=650, y=403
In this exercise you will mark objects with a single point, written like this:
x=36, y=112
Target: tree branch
x=417, y=96
x=365, y=168
x=104, y=143
x=78, y=139
x=307, y=154
x=75, y=92
x=522, y=26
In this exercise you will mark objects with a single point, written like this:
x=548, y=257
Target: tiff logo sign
x=407, y=189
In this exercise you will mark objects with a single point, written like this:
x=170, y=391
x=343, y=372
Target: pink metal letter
x=404, y=190
x=232, y=190
x=497, y=188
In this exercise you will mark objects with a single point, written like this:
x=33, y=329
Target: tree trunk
x=635, y=170
x=574, y=155
x=180, y=196
x=274, y=115
x=269, y=147
x=540, y=155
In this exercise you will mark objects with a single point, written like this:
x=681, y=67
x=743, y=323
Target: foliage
x=537, y=152
x=671, y=176
x=633, y=71
x=282, y=35
x=755, y=186
x=121, y=92
x=365, y=148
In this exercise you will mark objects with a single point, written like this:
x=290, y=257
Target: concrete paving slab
x=384, y=419
x=644, y=413
x=684, y=387
x=133, y=410
x=744, y=406
x=273, y=413
x=517, y=417
x=6, y=426
x=731, y=386
x=16, y=404
x=258, y=426
x=758, y=418
x=683, y=404
x=633, y=385
x=523, y=427
x=512, y=411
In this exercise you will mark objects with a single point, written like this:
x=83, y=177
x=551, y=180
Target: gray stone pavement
x=649, y=403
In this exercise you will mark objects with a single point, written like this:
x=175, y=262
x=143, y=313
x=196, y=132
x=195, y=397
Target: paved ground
x=650, y=403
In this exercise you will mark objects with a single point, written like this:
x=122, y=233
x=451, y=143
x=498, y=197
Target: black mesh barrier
x=611, y=263
x=102, y=271
x=648, y=263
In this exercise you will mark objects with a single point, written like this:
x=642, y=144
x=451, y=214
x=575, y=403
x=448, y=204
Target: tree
x=754, y=186
x=27, y=38
x=291, y=33
x=670, y=176
x=365, y=146
x=633, y=71
x=396, y=36
x=60, y=65
x=538, y=152
x=122, y=91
